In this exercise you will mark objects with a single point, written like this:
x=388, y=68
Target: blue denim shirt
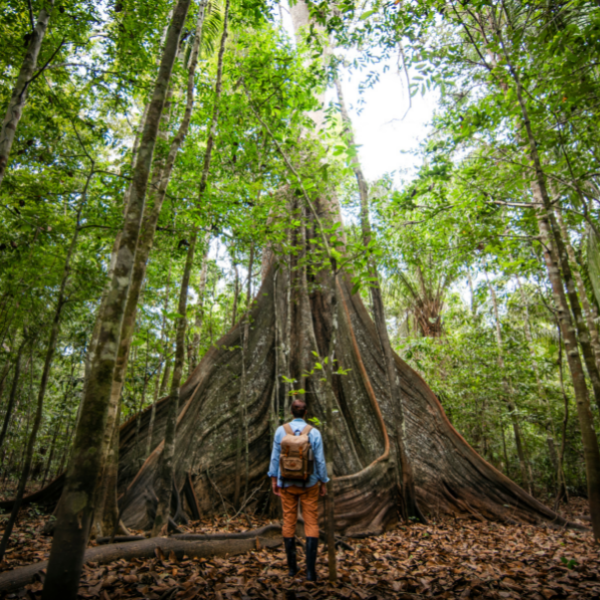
x=316, y=443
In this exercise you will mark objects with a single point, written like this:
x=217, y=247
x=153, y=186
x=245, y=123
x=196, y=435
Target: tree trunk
x=449, y=476
x=163, y=169
x=57, y=429
x=76, y=509
x=586, y=421
x=562, y=490
x=164, y=482
x=508, y=392
x=585, y=303
x=4, y=376
x=162, y=358
x=242, y=441
x=329, y=432
x=18, y=97
x=543, y=397
x=236, y=293
x=13, y=392
x=195, y=344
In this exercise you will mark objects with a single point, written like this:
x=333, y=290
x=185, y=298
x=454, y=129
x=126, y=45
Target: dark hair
x=298, y=408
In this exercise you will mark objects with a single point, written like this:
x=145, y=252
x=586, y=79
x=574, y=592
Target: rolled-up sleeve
x=275, y=454
x=317, y=446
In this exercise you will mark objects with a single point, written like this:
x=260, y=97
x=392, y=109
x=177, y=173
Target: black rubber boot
x=311, y=558
x=290, y=550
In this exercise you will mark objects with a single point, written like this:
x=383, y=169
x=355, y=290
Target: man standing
x=293, y=490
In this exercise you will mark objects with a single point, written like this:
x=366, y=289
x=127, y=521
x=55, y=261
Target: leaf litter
x=450, y=558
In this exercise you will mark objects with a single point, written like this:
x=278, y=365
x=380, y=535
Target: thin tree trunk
x=193, y=351
x=166, y=375
x=67, y=448
x=590, y=441
x=162, y=358
x=550, y=433
x=508, y=392
x=329, y=436
x=18, y=97
x=506, y=461
x=75, y=511
x=138, y=417
x=161, y=177
x=110, y=518
x=52, y=451
x=4, y=376
x=246, y=337
x=406, y=478
x=242, y=440
x=585, y=302
x=165, y=469
x=13, y=392
x=236, y=293
x=562, y=487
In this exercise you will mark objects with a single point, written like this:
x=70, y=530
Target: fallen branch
x=11, y=581
x=120, y=539
x=269, y=531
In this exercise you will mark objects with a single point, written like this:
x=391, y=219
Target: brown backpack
x=297, y=459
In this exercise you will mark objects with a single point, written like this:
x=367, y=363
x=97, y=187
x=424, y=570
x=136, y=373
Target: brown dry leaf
x=450, y=558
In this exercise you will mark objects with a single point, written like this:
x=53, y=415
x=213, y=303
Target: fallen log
x=119, y=539
x=268, y=531
x=14, y=580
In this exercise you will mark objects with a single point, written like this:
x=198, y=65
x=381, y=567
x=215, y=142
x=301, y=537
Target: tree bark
x=162, y=358
x=18, y=97
x=562, y=492
x=585, y=303
x=242, y=441
x=57, y=429
x=76, y=509
x=236, y=293
x=591, y=450
x=161, y=178
x=164, y=483
x=4, y=376
x=329, y=435
x=450, y=477
x=195, y=344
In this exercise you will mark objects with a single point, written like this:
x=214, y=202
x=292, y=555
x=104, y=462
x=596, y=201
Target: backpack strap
x=307, y=430
x=288, y=429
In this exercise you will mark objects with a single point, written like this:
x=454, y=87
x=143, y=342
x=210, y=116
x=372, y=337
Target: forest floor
x=449, y=558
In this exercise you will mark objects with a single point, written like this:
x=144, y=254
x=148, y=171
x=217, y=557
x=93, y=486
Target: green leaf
x=367, y=14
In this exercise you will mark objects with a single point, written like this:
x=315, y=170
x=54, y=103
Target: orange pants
x=309, y=498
